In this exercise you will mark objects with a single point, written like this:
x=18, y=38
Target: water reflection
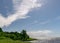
x=47, y=41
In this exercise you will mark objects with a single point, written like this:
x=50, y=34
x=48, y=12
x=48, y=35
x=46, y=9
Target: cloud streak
x=44, y=34
x=45, y=22
x=22, y=8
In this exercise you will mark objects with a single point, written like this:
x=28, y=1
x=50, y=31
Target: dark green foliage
x=24, y=35
x=15, y=35
x=1, y=30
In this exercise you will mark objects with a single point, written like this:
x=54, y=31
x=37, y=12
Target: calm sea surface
x=46, y=41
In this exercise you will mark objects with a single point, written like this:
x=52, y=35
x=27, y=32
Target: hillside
x=8, y=40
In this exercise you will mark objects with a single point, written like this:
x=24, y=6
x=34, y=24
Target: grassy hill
x=8, y=40
x=14, y=37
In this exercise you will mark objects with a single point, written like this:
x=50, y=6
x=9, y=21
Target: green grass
x=7, y=40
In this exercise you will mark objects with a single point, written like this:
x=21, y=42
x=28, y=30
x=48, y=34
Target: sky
x=38, y=17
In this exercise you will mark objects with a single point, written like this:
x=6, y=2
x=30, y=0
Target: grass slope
x=7, y=40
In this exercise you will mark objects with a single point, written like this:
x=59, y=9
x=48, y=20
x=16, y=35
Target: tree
x=24, y=35
x=1, y=30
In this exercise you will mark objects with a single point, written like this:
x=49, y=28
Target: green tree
x=1, y=30
x=24, y=35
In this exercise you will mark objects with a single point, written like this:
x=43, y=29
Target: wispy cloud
x=21, y=10
x=45, y=22
x=37, y=22
x=44, y=34
x=57, y=18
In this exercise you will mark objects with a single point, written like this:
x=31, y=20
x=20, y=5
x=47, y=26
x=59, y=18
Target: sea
x=55, y=40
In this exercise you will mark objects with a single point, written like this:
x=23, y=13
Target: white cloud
x=44, y=34
x=22, y=7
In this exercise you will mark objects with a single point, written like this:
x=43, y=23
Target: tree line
x=15, y=35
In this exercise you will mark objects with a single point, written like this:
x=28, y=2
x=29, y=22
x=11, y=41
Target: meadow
x=8, y=40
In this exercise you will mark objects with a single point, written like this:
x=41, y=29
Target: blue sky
x=45, y=17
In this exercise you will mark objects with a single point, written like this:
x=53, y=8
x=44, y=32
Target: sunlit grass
x=7, y=40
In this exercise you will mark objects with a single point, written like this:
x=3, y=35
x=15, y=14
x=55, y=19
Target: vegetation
x=15, y=35
x=24, y=36
x=1, y=30
x=8, y=40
